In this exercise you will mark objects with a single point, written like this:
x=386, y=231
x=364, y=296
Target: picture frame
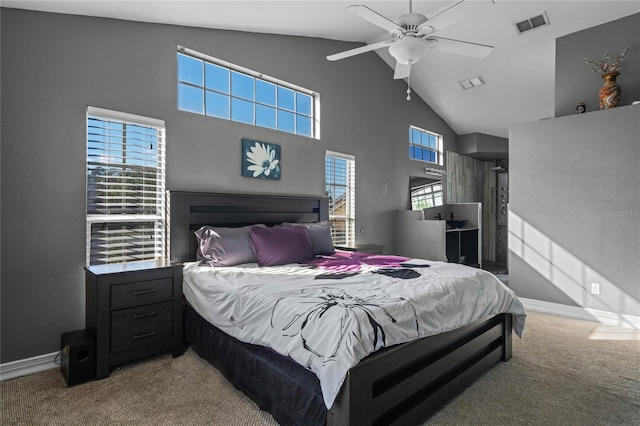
x=261, y=160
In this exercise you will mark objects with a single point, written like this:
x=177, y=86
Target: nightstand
x=370, y=248
x=134, y=310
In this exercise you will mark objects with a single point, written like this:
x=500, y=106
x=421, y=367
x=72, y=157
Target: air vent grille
x=540, y=20
x=472, y=82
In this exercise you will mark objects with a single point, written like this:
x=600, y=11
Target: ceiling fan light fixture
x=408, y=50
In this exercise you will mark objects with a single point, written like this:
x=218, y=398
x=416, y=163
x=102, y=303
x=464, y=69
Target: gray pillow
x=320, y=234
x=225, y=246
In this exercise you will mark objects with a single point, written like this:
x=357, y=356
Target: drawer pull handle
x=144, y=315
x=147, y=291
x=142, y=336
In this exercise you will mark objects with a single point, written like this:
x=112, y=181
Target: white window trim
x=124, y=116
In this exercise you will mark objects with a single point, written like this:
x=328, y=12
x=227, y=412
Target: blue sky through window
x=242, y=85
x=266, y=92
x=424, y=146
x=286, y=99
x=190, y=70
x=217, y=78
x=217, y=91
x=217, y=105
x=266, y=116
x=303, y=103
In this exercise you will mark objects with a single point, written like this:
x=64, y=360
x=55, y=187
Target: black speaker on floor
x=78, y=360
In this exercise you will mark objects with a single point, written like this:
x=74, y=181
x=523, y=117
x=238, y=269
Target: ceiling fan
x=412, y=34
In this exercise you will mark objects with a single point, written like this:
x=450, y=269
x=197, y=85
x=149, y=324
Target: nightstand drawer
x=140, y=293
x=141, y=315
x=140, y=336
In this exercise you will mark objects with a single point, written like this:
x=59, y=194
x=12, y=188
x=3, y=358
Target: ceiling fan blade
x=464, y=48
x=457, y=11
x=401, y=71
x=374, y=17
x=359, y=50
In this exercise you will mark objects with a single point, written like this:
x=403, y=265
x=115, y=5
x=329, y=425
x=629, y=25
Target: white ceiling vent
x=472, y=82
x=540, y=20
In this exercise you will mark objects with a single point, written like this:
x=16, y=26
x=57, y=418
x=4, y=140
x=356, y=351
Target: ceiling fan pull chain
x=409, y=83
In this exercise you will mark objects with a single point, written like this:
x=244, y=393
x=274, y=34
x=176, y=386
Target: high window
x=425, y=145
x=216, y=88
x=341, y=190
x=425, y=196
x=125, y=187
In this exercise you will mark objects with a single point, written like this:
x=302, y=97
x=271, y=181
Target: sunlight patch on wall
x=570, y=275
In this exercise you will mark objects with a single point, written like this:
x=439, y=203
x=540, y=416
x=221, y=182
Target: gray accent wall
x=575, y=210
x=574, y=185
x=483, y=147
x=54, y=66
x=575, y=83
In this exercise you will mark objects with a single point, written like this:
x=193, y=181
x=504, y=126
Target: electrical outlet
x=595, y=288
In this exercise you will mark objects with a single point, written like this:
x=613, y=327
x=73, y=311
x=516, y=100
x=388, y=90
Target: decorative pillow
x=320, y=235
x=225, y=246
x=281, y=245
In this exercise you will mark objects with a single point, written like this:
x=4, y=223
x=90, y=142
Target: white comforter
x=328, y=325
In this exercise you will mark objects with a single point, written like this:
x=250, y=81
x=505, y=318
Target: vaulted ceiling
x=519, y=73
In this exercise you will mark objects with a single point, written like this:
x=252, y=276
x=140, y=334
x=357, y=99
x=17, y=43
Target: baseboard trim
x=586, y=314
x=23, y=367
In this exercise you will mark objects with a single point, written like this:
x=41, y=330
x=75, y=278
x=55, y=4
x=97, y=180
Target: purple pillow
x=281, y=245
x=225, y=246
x=320, y=235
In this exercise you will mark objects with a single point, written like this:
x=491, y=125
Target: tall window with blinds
x=340, y=189
x=125, y=187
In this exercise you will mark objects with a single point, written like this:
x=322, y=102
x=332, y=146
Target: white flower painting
x=260, y=159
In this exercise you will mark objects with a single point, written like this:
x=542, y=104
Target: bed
x=396, y=384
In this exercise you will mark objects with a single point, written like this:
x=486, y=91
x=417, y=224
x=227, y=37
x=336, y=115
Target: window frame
x=350, y=195
x=298, y=113
x=437, y=151
x=159, y=217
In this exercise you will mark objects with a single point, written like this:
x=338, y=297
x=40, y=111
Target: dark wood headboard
x=191, y=210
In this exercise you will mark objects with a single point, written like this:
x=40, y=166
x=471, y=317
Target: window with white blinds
x=125, y=187
x=340, y=187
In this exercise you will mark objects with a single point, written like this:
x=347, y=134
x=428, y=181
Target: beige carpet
x=564, y=372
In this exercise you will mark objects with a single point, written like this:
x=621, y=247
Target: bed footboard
x=406, y=384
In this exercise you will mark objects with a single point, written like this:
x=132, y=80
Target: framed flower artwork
x=260, y=159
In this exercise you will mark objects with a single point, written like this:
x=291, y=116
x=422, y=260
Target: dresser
x=134, y=310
